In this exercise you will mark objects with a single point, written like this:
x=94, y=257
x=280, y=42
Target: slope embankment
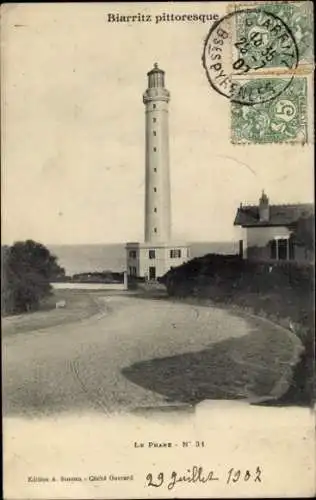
x=282, y=294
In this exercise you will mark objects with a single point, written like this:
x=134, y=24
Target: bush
x=27, y=269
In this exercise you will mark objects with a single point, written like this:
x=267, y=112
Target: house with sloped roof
x=267, y=230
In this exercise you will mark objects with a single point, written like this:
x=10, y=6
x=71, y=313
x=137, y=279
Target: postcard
x=158, y=250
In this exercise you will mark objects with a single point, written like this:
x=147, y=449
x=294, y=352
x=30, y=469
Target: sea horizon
x=97, y=257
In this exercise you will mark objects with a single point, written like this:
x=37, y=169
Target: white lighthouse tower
x=157, y=197
x=158, y=253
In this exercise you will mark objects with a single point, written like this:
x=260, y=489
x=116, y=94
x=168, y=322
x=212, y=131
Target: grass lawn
x=79, y=305
x=250, y=366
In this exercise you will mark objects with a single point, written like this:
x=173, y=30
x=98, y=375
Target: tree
x=27, y=268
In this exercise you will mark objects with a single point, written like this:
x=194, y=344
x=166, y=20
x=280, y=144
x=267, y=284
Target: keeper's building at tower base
x=153, y=258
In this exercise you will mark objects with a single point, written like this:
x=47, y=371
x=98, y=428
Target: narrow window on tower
x=155, y=149
x=155, y=230
x=155, y=190
x=155, y=209
x=154, y=120
x=154, y=106
x=155, y=170
x=154, y=132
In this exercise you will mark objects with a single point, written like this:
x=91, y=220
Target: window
x=273, y=249
x=155, y=230
x=152, y=254
x=291, y=249
x=154, y=106
x=155, y=170
x=241, y=248
x=155, y=209
x=282, y=249
x=155, y=149
x=155, y=190
x=154, y=132
x=132, y=254
x=154, y=120
x=175, y=254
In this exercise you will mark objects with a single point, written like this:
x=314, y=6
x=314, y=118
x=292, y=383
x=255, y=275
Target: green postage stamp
x=252, y=24
x=274, y=34
x=282, y=119
x=259, y=56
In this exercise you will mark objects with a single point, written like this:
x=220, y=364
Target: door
x=152, y=273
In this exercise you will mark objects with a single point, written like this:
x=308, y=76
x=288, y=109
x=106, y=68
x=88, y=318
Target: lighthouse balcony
x=156, y=94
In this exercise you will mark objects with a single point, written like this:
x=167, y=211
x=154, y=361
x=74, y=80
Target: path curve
x=141, y=353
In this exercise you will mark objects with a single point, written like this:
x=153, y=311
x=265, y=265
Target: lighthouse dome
x=155, y=69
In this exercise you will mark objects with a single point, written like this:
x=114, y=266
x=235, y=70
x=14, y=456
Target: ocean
x=112, y=257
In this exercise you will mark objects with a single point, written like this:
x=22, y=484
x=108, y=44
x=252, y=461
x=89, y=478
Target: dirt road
x=140, y=353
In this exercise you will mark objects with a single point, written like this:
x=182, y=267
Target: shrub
x=27, y=269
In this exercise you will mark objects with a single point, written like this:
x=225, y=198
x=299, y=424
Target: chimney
x=264, y=211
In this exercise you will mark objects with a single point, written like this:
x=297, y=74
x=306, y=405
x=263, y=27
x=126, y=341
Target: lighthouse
x=152, y=258
x=157, y=195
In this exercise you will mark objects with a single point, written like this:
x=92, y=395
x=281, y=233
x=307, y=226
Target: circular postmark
x=243, y=46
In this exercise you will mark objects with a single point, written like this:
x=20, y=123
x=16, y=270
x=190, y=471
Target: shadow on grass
x=236, y=368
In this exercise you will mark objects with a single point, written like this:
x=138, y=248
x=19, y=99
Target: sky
x=73, y=129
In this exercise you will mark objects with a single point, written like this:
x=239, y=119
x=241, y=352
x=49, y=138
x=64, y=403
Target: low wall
x=89, y=286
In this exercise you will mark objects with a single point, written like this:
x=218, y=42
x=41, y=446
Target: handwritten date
x=198, y=475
